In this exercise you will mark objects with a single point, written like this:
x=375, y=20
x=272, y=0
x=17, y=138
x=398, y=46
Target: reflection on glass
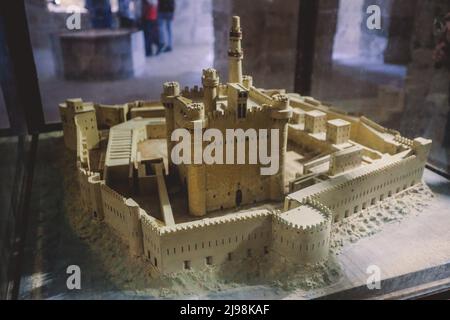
x=4, y=121
x=110, y=65
x=391, y=74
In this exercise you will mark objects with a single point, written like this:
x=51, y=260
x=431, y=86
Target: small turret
x=210, y=80
x=281, y=102
x=171, y=89
x=194, y=112
x=76, y=105
x=247, y=81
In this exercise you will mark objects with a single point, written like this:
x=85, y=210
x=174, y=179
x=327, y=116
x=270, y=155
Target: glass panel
x=388, y=72
x=110, y=65
x=15, y=152
x=4, y=120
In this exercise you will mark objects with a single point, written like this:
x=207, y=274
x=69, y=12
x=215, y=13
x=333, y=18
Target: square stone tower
x=76, y=113
x=236, y=106
x=338, y=131
x=315, y=122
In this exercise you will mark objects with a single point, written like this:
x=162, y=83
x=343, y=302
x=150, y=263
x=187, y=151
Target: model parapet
x=181, y=216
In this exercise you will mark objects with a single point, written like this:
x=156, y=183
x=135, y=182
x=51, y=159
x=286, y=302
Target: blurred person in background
x=441, y=57
x=150, y=26
x=126, y=14
x=442, y=51
x=166, y=10
x=100, y=13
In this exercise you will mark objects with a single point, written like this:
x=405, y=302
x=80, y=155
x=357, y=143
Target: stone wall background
x=270, y=44
x=192, y=24
x=427, y=108
x=400, y=31
x=324, y=44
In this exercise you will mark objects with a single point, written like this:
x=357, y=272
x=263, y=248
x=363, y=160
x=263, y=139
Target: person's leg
x=94, y=22
x=147, y=37
x=108, y=19
x=154, y=35
x=161, y=35
x=169, y=33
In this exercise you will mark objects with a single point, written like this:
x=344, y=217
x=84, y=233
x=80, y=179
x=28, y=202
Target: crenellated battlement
x=194, y=111
x=405, y=141
x=367, y=175
x=207, y=222
x=324, y=210
x=281, y=101
x=152, y=223
x=311, y=203
x=193, y=93
x=171, y=89
x=255, y=113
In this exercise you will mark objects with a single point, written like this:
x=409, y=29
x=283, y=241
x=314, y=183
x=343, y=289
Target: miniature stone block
x=298, y=116
x=338, y=131
x=345, y=160
x=315, y=121
x=75, y=104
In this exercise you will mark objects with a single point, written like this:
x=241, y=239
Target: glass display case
x=379, y=69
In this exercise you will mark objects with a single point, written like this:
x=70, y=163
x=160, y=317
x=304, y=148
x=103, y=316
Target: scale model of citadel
x=181, y=217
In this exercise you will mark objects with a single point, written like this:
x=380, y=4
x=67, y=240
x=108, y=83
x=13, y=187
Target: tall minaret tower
x=235, y=53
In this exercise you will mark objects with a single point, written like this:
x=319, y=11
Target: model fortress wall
x=349, y=165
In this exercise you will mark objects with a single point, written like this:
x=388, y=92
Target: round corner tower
x=210, y=81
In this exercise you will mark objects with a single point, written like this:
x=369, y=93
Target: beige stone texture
x=189, y=216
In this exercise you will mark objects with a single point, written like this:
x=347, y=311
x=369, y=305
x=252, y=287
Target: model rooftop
x=339, y=123
x=304, y=217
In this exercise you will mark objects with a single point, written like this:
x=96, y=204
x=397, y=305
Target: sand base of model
x=365, y=224
x=137, y=275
